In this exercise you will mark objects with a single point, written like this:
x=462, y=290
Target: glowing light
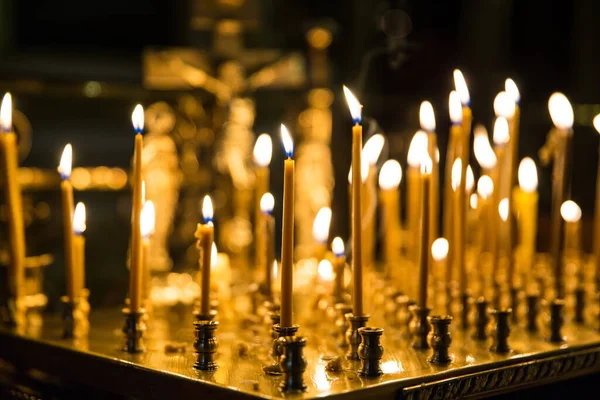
x=417, y=149
x=391, y=367
x=426, y=165
x=461, y=87
x=263, y=150
x=147, y=219
x=473, y=201
x=321, y=225
x=137, y=118
x=503, y=208
x=79, y=219
x=455, y=107
x=354, y=105
x=390, y=175
x=456, y=174
x=483, y=149
x=427, y=117
x=504, y=106
x=207, y=209
x=439, y=249
x=485, y=187
x=570, y=211
x=66, y=162
x=6, y=113
x=561, y=111
x=501, y=135
x=470, y=179
x=364, y=171
x=597, y=123
x=372, y=149
x=337, y=246
x=528, y=178
x=325, y=270
x=267, y=202
x=288, y=143
x=275, y=270
x=511, y=88
x=214, y=255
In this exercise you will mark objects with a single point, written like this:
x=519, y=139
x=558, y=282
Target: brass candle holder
x=292, y=363
x=420, y=327
x=370, y=351
x=533, y=309
x=557, y=321
x=440, y=339
x=69, y=313
x=501, y=331
x=206, y=345
x=482, y=319
x=134, y=330
x=353, y=338
x=279, y=332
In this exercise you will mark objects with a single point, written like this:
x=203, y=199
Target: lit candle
x=287, y=238
x=14, y=204
x=416, y=152
x=389, y=197
x=205, y=234
x=504, y=211
x=135, y=277
x=427, y=120
x=484, y=154
x=320, y=231
x=426, y=169
x=458, y=240
x=370, y=154
x=79, y=226
x=326, y=274
x=596, y=245
x=439, y=253
x=485, y=191
x=357, y=275
x=263, y=150
x=561, y=113
x=504, y=106
x=267, y=202
x=339, y=265
x=147, y=223
x=571, y=213
x=525, y=198
x=66, y=189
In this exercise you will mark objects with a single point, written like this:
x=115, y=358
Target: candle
x=439, y=253
x=355, y=111
x=510, y=87
x=426, y=170
x=14, y=206
x=135, y=277
x=339, y=265
x=370, y=154
x=571, y=213
x=504, y=106
x=325, y=273
x=504, y=211
x=416, y=151
x=263, y=151
x=64, y=168
x=561, y=113
x=389, y=197
x=596, y=244
x=485, y=192
x=205, y=235
x=484, y=154
x=525, y=198
x=321, y=231
x=79, y=226
x=427, y=120
x=287, y=239
x=458, y=243
x=267, y=202
x=147, y=223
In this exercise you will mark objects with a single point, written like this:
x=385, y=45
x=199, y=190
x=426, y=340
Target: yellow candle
x=439, y=253
x=370, y=155
x=79, y=226
x=485, y=192
x=339, y=265
x=417, y=150
x=596, y=243
x=64, y=168
x=321, y=232
x=287, y=238
x=525, y=199
x=511, y=88
x=263, y=151
x=504, y=106
x=357, y=275
x=147, y=222
x=427, y=120
x=267, y=202
x=135, y=278
x=571, y=213
x=504, y=211
x=389, y=197
x=467, y=117
x=14, y=206
x=205, y=235
x=426, y=169
x=458, y=244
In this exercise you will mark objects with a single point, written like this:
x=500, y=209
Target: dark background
x=49, y=49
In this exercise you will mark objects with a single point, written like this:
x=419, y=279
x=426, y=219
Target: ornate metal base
x=481, y=319
x=292, y=363
x=501, y=331
x=465, y=310
x=206, y=345
x=69, y=317
x=420, y=327
x=134, y=331
x=533, y=310
x=557, y=321
x=440, y=339
x=204, y=317
x=279, y=332
x=352, y=336
x=370, y=351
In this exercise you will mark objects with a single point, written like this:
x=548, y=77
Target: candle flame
x=267, y=202
x=325, y=270
x=364, y=171
x=337, y=246
x=263, y=150
x=427, y=117
x=390, y=175
x=503, y=208
x=597, y=123
x=456, y=174
x=214, y=255
x=147, y=219
x=66, y=162
x=461, y=87
x=207, y=209
x=511, y=88
x=372, y=149
x=470, y=179
x=354, y=106
x=275, y=270
x=482, y=148
x=439, y=249
x=570, y=211
x=426, y=165
x=473, y=201
x=137, y=119
x=455, y=107
x=79, y=219
x=501, y=135
x=288, y=143
x=561, y=111
x=504, y=105
x=485, y=187
x=528, y=178
x=6, y=113
x=321, y=225
x=417, y=149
